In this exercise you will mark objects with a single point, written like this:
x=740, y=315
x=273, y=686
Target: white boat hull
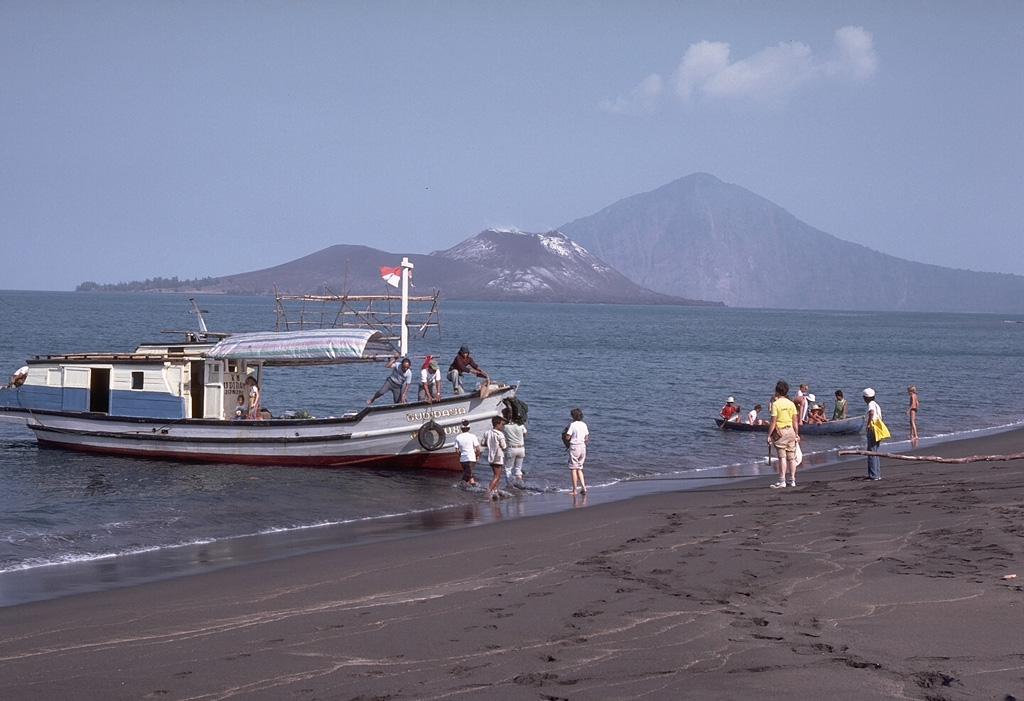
x=385, y=436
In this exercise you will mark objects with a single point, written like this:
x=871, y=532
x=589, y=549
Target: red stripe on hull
x=447, y=460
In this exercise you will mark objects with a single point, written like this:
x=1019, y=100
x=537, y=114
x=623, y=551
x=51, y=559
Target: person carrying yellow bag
x=880, y=429
x=876, y=431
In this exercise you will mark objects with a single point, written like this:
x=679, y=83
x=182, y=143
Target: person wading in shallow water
x=515, y=436
x=912, y=412
x=496, y=445
x=467, y=445
x=578, y=434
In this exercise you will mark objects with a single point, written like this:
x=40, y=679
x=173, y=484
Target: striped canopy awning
x=304, y=347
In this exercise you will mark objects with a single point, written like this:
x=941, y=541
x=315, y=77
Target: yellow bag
x=880, y=430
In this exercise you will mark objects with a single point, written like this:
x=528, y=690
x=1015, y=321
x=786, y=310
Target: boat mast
x=199, y=313
x=406, y=270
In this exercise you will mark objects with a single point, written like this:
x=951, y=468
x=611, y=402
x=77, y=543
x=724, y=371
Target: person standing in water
x=515, y=436
x=801, y=402
x=467, y=445
x=496, y=445
x=912, y=413
x=578, y=434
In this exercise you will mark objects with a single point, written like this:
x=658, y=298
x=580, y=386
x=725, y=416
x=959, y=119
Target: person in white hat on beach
x=874, y=412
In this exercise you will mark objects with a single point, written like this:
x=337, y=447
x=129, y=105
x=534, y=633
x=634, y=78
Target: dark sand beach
x=841, y=589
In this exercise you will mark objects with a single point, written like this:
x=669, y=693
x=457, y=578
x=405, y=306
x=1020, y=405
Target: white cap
x=869, y=393
x=729, y=400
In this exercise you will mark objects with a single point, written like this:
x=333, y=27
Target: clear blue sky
x=188, y=138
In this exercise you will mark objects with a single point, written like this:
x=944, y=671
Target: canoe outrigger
x=177, y=400
x=839, y=427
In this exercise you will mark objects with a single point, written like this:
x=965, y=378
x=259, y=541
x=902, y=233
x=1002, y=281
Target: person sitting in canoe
x=730, y=412
x=752, y=416
x=816, y=415
x=840, y=411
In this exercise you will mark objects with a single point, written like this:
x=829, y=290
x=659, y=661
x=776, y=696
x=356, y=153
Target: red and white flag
x=392, y=276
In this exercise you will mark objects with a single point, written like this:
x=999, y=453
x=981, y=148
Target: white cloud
x=768, y=74
x=855, y=54
x=767, y=77
x=642, y=99
x=701, y=62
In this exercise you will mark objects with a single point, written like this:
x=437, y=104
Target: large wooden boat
x=177, y=401
x=839, y=427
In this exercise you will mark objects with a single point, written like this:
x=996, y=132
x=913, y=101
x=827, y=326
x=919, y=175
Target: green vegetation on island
x=157, y=284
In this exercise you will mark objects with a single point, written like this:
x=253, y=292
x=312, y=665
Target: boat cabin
x=191, y=380
x=171, y=381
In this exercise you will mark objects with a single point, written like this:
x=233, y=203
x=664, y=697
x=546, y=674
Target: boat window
x=53, y=377
x=137, y=376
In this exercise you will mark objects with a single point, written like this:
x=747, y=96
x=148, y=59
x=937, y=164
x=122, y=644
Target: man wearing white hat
x=874, y=412
x=729, y=409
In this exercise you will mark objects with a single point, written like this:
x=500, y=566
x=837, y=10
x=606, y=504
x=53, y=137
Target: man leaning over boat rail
x=430, y=381
x=398, y=382
x=18, y=378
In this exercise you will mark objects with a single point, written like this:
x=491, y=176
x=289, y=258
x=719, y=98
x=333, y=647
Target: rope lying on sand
x=936, y=458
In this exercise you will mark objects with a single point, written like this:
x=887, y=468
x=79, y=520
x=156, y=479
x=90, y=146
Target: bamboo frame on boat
x=379, y=312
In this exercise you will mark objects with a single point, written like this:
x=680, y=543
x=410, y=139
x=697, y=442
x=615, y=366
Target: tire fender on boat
x=431, y=435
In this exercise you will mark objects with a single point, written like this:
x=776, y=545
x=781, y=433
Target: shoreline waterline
x=116, y=570
x=842, y=588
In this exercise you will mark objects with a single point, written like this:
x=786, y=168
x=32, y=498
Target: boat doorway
x=99, y=390
x=196, y=388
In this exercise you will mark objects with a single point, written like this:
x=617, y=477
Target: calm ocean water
x=649, y=379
